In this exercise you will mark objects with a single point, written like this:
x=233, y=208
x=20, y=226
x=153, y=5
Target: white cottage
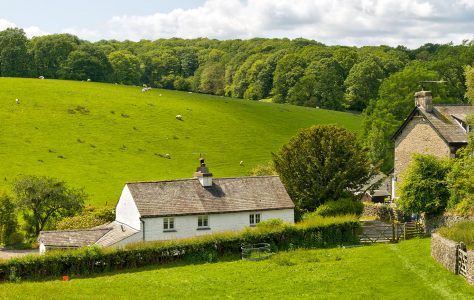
x=172, y=209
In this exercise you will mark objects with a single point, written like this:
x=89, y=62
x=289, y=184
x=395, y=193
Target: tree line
x=377, y=80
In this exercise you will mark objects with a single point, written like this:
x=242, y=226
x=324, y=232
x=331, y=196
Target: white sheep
x=241, y=163
x=88, y=79
x=179, y=117
x=17, y=101
x=144, y=90
x=144, y=85
x=41, y=77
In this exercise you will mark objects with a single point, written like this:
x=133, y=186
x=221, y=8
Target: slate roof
x=117, y=232
x=188, y=196
x=442, y=119
x=72, y=238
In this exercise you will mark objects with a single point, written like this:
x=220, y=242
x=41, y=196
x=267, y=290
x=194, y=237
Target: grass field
x=99, y=136
x=386, y=271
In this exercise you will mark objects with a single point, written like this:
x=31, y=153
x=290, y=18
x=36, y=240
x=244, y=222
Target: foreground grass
x=99, y=136
x=398, y=271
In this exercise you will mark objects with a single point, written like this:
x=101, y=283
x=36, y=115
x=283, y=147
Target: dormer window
x=463, y=124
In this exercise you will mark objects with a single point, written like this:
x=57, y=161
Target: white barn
x=172, y=209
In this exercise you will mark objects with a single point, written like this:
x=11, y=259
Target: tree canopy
x=322, y=163
x=44, y=199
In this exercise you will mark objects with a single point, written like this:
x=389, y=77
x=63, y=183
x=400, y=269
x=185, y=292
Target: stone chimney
x=203, y=175
x=424, y=100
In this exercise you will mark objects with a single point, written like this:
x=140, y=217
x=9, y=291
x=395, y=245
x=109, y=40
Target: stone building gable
x=418, y=136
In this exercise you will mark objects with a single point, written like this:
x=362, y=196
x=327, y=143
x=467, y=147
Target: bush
x=90, y=217
x=460, y=232
x=343, y=206
x=314, y=233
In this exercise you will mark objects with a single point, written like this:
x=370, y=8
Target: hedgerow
x=311, y=233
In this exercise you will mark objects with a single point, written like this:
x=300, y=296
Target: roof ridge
x=452, y=104
x=189, y=179
x=79, y=229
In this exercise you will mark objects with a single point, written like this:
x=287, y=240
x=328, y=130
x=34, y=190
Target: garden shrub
x=316, y=232
x=343, y=206
x=90, y=217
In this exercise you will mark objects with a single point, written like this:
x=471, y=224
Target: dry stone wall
x=444, y=251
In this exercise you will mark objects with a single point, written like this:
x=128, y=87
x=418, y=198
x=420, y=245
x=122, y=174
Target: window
x=254, y=219
x=203, y=222
x=168, y=224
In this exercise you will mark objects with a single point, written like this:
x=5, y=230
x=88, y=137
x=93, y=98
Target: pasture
x=99, y=136
x=383, y=271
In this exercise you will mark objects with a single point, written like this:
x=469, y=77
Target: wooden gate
x=461, y=261
x=377, y=231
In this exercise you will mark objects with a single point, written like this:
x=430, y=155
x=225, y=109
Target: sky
x=411, y=23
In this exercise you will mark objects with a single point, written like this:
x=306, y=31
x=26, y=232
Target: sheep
x=17, y=101
x=146, y=89
x=241, y=163
x=179, y=117
x=144, y=85
x=41, y=77
x=167, y=156
x=88, y=80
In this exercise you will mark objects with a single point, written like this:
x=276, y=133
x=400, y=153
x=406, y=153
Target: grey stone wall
x=384, y=212
x=433, y=223
x=444, y=251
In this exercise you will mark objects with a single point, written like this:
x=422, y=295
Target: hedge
x=313, y=233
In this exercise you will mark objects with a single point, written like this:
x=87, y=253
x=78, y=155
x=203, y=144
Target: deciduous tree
x=322, y=163
x=44, y=200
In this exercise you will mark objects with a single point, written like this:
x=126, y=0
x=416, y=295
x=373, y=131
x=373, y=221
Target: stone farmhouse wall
x=444, y=251
x=417, y=137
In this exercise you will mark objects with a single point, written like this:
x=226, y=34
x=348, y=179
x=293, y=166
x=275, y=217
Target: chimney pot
x=424, y=100
x=203, y=175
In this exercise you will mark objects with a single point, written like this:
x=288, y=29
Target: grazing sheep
x=17, y=101
x=41, y=77
x=144, y=85
x=146, y=89
x=167, y=156
x=179, y=117
x=241, y=163
x=88, y=79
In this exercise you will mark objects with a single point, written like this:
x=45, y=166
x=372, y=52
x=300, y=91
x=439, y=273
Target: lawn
x=100, y=136
x=385, y=271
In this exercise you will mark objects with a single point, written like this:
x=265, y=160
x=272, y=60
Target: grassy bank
x=386, y=271
x=100, y=136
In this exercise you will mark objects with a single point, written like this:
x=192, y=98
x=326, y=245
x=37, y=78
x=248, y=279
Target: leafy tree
x=211, y=79
x=322, y=163
x=461, y=178
x=44, y=200
x=125, y=66
x=87, y=62
x=8, y=218
x=50, y=51
x=424, y=188
x=469, y=73
x=287, y=73
x=362, y=83
x=14, y=59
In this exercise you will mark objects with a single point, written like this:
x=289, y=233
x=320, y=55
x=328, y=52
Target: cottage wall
x=186, y=226
x=417, y=137
x=126, y=211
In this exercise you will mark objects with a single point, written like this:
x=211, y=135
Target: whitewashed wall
x=126, y=211
x=186, y=226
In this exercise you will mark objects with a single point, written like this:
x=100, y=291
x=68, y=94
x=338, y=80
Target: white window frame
x=204, y=220
x=168, y=224
x=254, y=219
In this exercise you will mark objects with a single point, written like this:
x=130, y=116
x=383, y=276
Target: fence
x=377, y=231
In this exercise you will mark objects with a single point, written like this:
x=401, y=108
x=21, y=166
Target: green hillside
x=100, y=136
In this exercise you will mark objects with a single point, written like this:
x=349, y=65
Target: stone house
x=437, y=129
x=172, y=209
